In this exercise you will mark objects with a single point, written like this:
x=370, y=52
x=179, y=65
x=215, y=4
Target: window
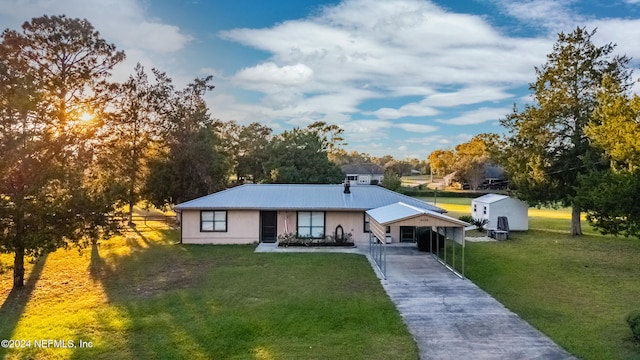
x=475, y=207
x=352, y=177
x=215, y=221
x=367, y=225
x=407, y=233
x=388, y=230
x=311, y=224
x=484, y=210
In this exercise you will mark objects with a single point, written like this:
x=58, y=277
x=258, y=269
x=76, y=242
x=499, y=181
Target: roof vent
x=346, y=188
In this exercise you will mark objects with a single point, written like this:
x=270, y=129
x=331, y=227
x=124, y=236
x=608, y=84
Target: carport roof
x=400, y=211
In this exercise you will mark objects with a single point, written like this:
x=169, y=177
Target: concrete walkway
x=450, y=317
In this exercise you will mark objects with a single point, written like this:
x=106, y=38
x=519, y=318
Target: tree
x=299, y=157
x=331, y=137
x=391, y=180
x=246, y=146
x=472, y=159
x=50, y=73
x=137, y=128
x=547, y=149
x=441, y=161
x=342, y=157
x=611, y=196
x=193, y=163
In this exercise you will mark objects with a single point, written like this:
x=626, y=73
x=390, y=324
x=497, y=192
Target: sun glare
x=85, y=116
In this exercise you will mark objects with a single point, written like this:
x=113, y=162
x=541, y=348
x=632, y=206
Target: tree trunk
x=18, y=268
x=576, y=227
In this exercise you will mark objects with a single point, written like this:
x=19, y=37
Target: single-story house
x=363, y=174
x=491, y=206
x=253, y=213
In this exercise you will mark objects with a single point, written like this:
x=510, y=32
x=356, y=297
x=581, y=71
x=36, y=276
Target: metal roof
x=400, y=211
x=302, y=197
x=490, y=198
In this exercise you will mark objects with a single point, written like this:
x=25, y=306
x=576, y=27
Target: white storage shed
x=491, y=206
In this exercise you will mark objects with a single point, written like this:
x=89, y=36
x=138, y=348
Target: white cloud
x=123, y=22
x=327, y=65
x=416, y=128
x=551, y=14
x=274, y=75
x=411, y=109
x=478, y=116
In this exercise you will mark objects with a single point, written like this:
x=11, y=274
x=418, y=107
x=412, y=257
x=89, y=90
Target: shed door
x=268, y=226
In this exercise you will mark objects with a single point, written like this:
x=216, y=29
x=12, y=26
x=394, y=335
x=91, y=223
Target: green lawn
x=142, y=296
x=577, y=290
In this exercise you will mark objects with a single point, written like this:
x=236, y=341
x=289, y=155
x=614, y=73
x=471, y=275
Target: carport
x=406, y=215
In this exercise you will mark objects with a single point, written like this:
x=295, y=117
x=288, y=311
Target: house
x=363, y=174
x=491, y=206
x=254, y=213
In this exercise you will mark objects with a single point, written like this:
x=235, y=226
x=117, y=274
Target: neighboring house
x=363, y=174
x=491, y=206
x=254, y=213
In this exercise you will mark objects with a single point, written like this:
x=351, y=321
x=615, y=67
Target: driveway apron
x=452, y=318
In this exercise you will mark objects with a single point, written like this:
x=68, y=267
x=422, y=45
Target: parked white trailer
x=491, y=206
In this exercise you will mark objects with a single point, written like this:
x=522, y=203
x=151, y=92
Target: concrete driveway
x=452, y=318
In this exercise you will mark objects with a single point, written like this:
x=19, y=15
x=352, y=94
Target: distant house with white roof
x=254, y=213
x=491, y=206
x=363, y=174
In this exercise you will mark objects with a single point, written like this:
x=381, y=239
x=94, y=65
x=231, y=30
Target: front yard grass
x=577, y=290
x=141, y=295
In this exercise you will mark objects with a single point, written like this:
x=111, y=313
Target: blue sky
x=401, y=77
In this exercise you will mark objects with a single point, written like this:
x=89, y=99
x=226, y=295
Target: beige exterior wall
x=243, y=227
x=351, y=222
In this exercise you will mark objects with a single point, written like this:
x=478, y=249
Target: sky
x=401, y=77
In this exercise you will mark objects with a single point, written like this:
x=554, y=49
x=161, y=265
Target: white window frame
x=213, y=221
x=313, y=224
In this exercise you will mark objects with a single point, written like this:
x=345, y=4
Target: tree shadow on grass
x=161, y=294
x=13, y=307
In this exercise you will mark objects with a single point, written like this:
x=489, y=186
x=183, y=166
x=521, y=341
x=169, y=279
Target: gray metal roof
x=302, y=197
x=400, y=211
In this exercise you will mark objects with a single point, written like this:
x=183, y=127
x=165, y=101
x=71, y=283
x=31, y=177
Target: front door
x=268, y=226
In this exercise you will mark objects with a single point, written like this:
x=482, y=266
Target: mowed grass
x=577, y=290
x=143, y=296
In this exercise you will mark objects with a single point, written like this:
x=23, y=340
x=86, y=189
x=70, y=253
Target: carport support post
x=454, y=248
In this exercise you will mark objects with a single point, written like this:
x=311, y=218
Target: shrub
x=480, y=223
x=633, y=319
x=466, y=218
